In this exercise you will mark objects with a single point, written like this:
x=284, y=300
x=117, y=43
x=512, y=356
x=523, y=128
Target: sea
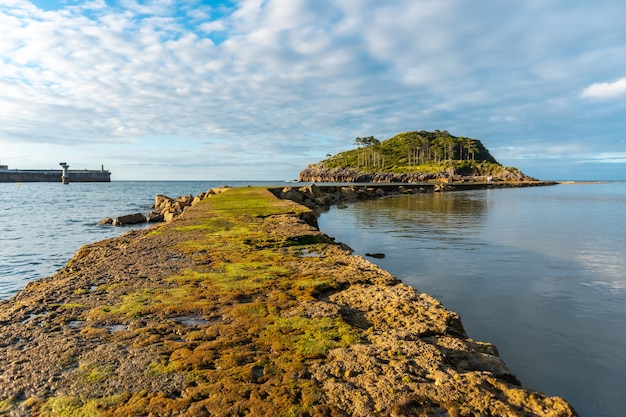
x=540, y=271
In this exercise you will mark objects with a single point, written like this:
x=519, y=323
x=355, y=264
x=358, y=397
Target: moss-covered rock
x=241, y=307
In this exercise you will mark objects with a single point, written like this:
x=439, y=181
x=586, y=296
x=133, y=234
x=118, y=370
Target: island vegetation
x=411, y=157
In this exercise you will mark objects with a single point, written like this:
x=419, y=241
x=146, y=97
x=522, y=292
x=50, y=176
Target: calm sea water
x=539, y=272
x=43, y=224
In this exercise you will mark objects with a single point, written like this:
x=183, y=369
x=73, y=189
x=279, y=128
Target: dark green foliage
x=413, y=151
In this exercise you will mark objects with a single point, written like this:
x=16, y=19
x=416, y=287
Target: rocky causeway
x=240, y=306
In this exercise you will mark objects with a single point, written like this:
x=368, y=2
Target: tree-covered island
x=413, y=157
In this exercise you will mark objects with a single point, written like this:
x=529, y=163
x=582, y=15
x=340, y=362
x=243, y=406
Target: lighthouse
x=64, y=176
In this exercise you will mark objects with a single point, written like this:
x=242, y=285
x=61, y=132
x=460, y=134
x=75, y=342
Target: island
x=241, y=306
x=411, y=157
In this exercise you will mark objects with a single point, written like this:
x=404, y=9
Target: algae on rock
x=242, y=307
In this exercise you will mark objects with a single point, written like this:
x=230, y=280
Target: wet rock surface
x=240, y=306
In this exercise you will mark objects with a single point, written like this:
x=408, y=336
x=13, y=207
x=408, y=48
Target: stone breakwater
x=314, y=197
x=323, y=196
x=164, y=209
x=241, y=306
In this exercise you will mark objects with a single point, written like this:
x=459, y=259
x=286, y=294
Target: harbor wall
x=54, y=175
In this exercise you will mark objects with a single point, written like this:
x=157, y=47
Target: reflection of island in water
x=446, y=217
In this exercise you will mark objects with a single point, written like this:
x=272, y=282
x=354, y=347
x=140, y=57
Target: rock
x=290, y=193
x=165, y=209
x=312, y=191
x=161, y=202
x=349, y=193
x=154, y=217
x=320, y=173
x=129, y=219
x=181, y=202
x=375, y=255
x=150, y=323
x=170, y=208
x=170, y=214
x=310, y=204
x=323, y=201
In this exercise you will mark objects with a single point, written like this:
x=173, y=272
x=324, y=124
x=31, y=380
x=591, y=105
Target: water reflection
x=610, y=265
x=444, y=211
x=538, y=272
x=438, y=221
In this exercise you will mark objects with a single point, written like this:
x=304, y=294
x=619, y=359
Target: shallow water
x=539, y=272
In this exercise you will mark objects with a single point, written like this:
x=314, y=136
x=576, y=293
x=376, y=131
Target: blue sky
x=258, y=89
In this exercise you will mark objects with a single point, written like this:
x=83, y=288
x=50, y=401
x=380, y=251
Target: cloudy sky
x=258, y=89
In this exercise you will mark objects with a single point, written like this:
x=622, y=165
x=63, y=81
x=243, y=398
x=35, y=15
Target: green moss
x=7, y=405
x=231, y=240
x=183, y=299
x=73, y=406
x=247, y=276
x=166, y=367
x=309, y=337
x=253, y=202
x=64, y=406
x=71, y=306
x=313, y=285
x=132, y=305
x=93, y=373
x=209, y=224
x=157, y=231
x=188, y=276
x=247, y=285
x=136, y=304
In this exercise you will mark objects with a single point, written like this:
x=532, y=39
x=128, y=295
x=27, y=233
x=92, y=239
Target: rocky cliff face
x=240, y=306
x=320, y=173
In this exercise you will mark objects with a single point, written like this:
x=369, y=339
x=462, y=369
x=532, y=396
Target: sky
x=259, y=89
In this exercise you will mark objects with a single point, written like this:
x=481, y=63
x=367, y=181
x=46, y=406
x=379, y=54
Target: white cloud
x=213, y=26
x=608, y=90
x=283, y=71
x=607, y=158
